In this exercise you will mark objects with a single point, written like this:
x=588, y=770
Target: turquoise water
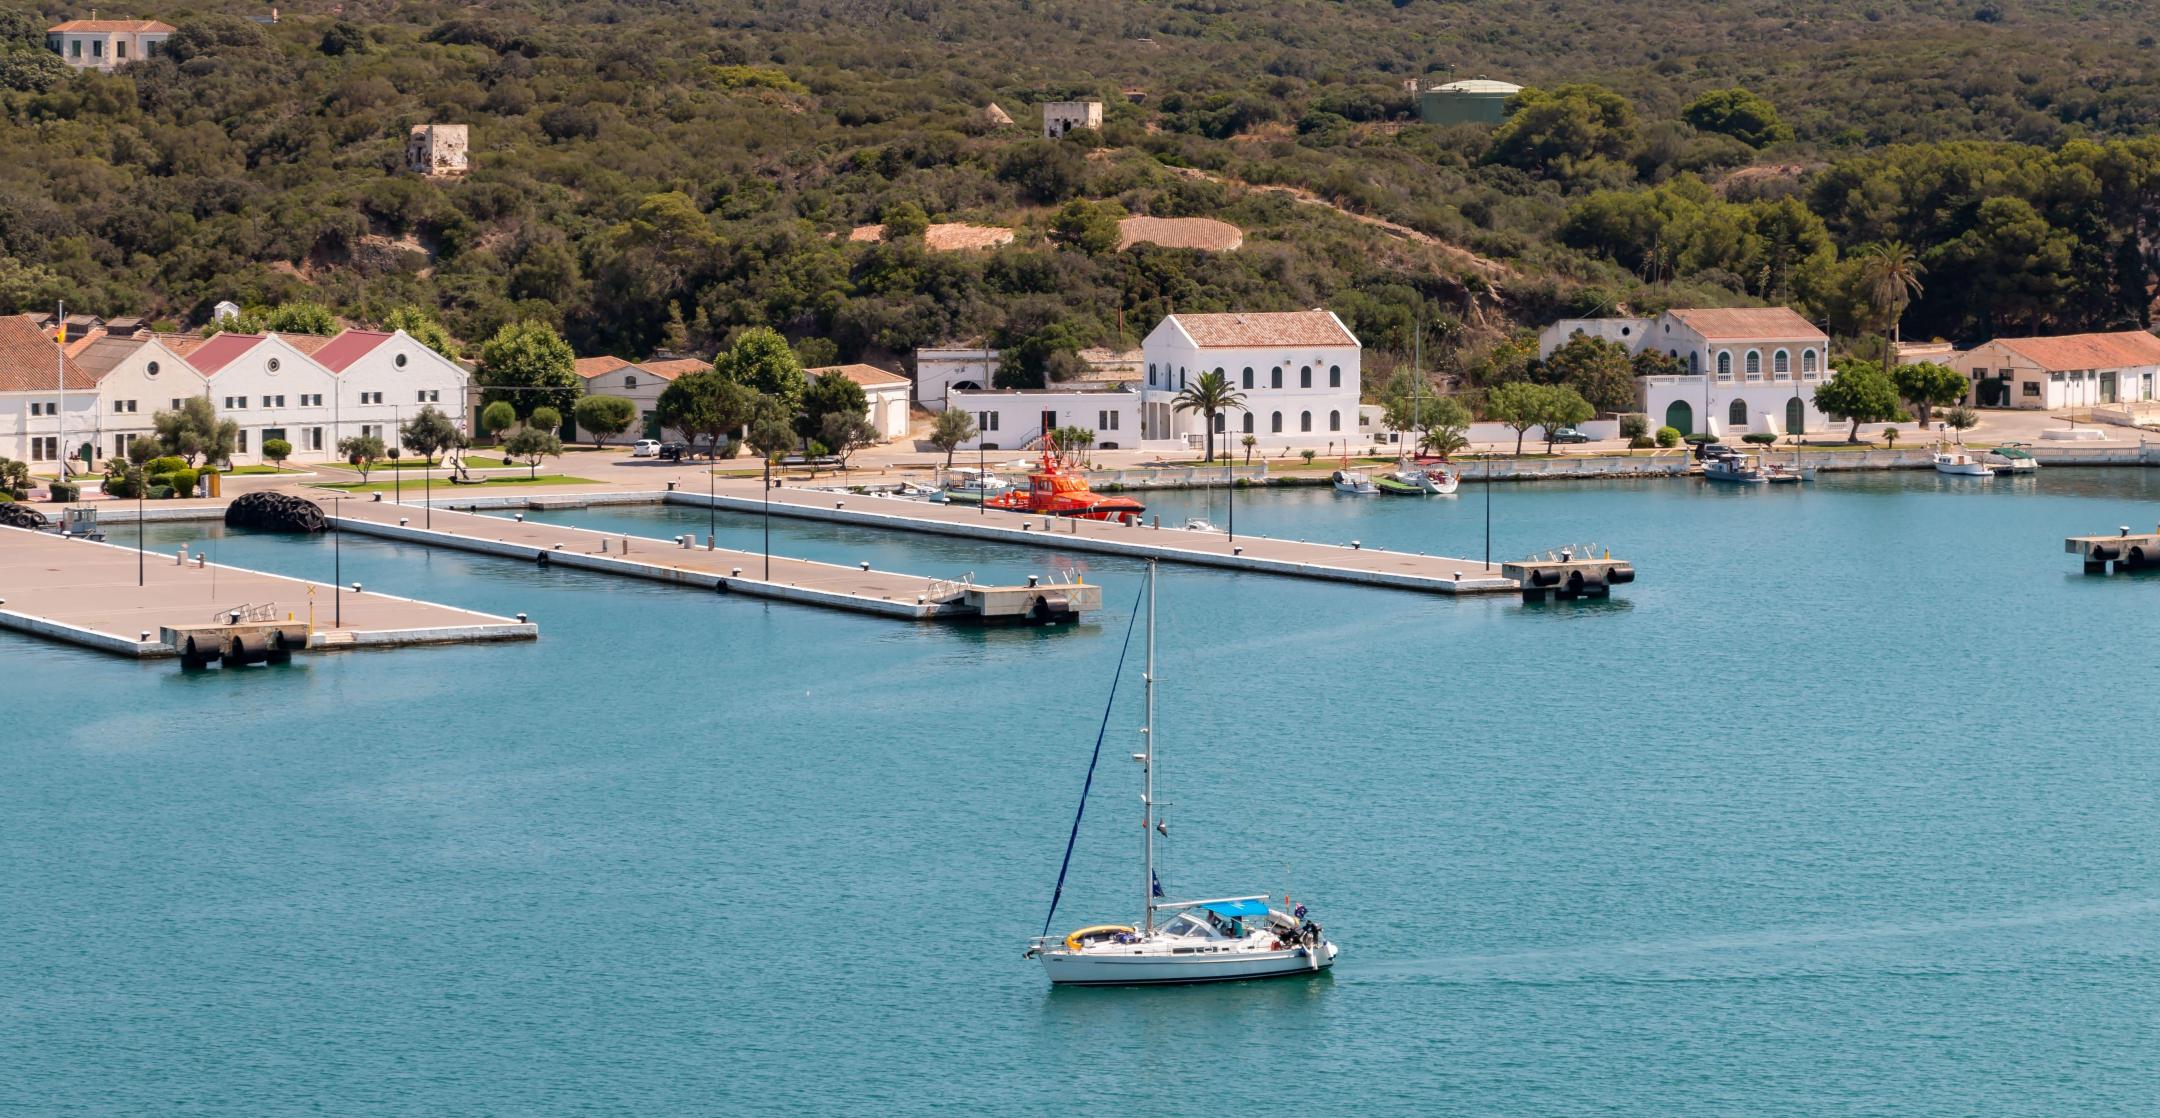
x=1846, y=808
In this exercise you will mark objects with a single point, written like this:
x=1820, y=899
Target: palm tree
x=1893, y=275
x=1210, y=395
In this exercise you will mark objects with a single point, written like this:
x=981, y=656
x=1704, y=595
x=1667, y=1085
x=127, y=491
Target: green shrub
x=160, y=492
x=1759, y=438
x=733, y=448
x=1668, y=437
x=1634, y=426
x=164, y=465
x=66, y=491
x=182, y=481
x=1641, y=442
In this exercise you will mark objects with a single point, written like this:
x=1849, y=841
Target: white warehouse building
x=1299, y=372
x=1750, y=369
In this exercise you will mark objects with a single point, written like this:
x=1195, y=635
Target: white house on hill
x=1750, y=369
x=1299, y=372
x=101, y=44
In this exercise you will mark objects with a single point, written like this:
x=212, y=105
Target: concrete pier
x=858, y=588
x=1353, y=563
x=85, y=593
x=2127, y=550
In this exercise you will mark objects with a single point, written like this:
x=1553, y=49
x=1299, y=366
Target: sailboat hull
x=1099, y=968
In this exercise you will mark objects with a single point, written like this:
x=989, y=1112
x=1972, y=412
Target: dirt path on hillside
x=1493, y=270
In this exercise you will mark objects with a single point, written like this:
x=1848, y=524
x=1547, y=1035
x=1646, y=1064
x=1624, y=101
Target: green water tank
x=1474, y=101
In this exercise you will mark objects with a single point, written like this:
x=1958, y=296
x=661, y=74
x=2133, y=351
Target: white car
x=646, y=448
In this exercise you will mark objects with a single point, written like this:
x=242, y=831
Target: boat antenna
x=1089, y=783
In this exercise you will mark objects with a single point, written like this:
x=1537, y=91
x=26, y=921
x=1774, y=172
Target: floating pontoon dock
x=686, y=561
x=1354, y=563
x=85, y=593
x=2127, y=550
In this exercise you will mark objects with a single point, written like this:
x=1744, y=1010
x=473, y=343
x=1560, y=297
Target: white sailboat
x=1212, y=939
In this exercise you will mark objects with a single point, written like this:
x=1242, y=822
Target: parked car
x=1706, y=451
x=645, y=448
x=675, y=451
x=1569, y=435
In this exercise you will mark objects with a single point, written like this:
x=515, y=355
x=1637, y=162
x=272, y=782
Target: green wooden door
x=1680, y=417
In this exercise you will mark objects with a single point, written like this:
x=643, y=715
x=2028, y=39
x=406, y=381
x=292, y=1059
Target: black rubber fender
x=1544, y=578
x=2105, y=552
x=1620, y=574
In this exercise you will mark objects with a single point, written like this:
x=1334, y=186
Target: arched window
x=1248, y=376
x=1754, y=364
x=1248, y=417
x=1334, y=421
x=1781, y=363
x=1694, y=363
x=1334, y=376
x=1181, y=378
x=1304, y=422
x=1807, y=362
x=1275, y=423
x=1304, y=376
x=1737, y=414
x=1219, y=372
x=629, y=381
x=1151, y=376
x=1724, y=364
x=1275, y=377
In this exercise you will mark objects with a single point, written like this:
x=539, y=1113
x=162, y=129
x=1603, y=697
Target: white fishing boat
x=1735, y=468
x=1436, y=480
x=1212, y=939
x=972, y=486
x=1960, y=464
x=1201, y=524
x=1353, y=481
x=2011, y=458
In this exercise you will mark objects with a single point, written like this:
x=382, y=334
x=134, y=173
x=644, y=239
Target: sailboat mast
x=1147, y=768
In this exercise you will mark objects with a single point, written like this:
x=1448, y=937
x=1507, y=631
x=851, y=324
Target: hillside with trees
x=664, y=177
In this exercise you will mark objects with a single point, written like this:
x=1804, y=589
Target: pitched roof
x=221, y=350
x=337, y=354
x=1203, y=233
x=105, y=352
x=95, y=26
x=2119, y=349
x=869, y=376
x=80, y=342
x=590, y=367
x=182, y=346
x=32, y=362
x=672, y=367
x=1266, y=328
x=1746, y=323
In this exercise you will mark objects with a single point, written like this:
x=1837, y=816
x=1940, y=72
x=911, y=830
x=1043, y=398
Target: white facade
x=1015, y=419
x=38, y=426
x=1061, y=117
x=101, y=44
x=272, y=389
x=608, y=376
x=885, y=394
x=1299, y=373
x=387, y=378
x=940, y=372
x=1750, y=370
x=2071, y=371
x=137, y=378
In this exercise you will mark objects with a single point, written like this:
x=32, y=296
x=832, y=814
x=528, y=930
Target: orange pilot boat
x=1051, y=491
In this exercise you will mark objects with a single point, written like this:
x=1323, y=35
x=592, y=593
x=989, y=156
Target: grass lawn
x=411, y=484
x=251, y=471
x=476, y=461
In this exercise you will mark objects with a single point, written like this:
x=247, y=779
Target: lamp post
x=139, y=526
x=337, y=560
x=397, y=438
x=712, y=501
x=767, y=496
x=982, y=475
x=1488, y=512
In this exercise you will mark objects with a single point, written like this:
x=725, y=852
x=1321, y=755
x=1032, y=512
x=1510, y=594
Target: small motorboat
x=1960, y=464
x=1352, y=481
x=1780, y=473
x=1395, y=485
x=2012, y=458
x=1200, y=524
x=915, y=492
x=971, y=486
x=1437, y=481
x=1735, y=468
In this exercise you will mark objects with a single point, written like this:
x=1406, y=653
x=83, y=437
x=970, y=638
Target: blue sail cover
x=1237, y=908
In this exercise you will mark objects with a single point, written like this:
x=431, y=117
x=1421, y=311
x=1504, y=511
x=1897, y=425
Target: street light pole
x=337, y=559
x=768, y=517
x=139, y=532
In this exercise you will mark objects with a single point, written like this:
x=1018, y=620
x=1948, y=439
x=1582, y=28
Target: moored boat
x=2011, y=458
x=971, y=486
x=1735, y=468
x=1214, y=939
x=1395, y=485
x=1961, y=464
x=1438, y=481
x=1052, y=491
x=1352, y=481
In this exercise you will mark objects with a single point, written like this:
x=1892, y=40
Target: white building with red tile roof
x=387, y=375
x=2064, y=371
x=1750, y=369
x=639, y=382
x=101, y=44
x=1299, y=372
x=274, y=389
x=886, y=393
x=137, y=377
x=48, y=403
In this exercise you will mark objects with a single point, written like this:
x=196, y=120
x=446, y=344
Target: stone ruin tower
x=437, y=149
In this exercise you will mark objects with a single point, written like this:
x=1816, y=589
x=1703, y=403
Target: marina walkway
x=885, y=593
x=1366, y=566
x=84, y=593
